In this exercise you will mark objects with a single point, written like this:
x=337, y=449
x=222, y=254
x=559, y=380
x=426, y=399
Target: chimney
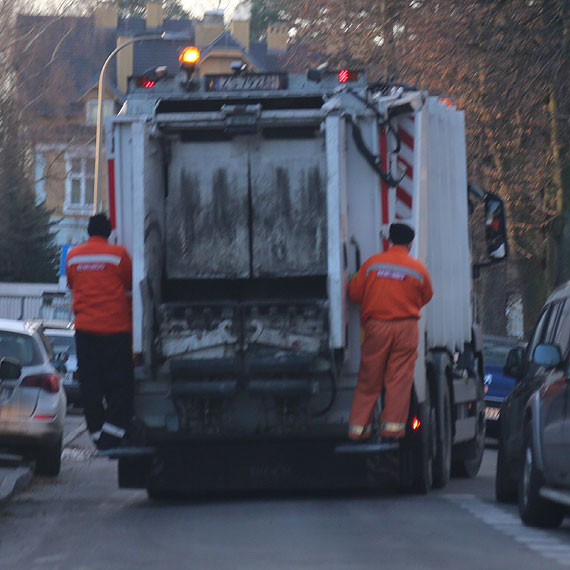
x=277, y=35
x=124, y=63
x=106, y=16
x=240, y=31
x=154, y=15
x=211, y=26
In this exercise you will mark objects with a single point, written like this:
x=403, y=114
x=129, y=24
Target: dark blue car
x=497, y=385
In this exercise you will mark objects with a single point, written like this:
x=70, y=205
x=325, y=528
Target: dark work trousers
x=106, y=380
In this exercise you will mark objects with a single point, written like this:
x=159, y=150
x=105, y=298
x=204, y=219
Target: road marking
x=537, y=540
x=74, y=434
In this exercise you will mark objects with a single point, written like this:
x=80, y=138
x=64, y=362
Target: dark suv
x=533, y=461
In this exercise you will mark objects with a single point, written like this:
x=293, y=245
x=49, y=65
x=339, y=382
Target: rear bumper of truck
x=263, y=464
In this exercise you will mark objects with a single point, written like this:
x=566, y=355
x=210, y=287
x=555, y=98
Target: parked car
x=533, y=459
x=497, y=384
x=32, y=399
x=62, y=338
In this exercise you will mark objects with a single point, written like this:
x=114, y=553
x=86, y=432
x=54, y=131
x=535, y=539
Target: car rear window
x=21, y=347
x=62, y=343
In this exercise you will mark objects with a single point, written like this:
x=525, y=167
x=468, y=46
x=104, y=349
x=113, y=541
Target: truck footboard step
x=364, y=448
x=119, y=452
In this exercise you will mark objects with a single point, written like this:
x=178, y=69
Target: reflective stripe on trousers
x=359, y=432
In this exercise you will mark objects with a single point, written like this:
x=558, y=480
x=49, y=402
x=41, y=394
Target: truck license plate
x=492, y=413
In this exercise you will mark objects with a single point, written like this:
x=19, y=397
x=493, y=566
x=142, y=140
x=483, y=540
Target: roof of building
x=61, y=57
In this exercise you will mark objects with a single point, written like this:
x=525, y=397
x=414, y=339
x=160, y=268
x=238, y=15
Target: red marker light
x=416, y=424
x=346, y=75
x=145, y=82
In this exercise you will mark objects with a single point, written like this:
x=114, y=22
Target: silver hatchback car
x=32, y=399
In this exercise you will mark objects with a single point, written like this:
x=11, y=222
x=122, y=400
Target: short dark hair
x=99, y=225
x=401, y=234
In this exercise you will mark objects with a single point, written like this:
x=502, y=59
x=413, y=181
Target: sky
x=199, y=6
x=196, y=7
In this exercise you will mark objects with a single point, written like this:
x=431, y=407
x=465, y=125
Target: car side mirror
x=547, y=355
x=495, y=228
x=514, y=363
x=10, y=368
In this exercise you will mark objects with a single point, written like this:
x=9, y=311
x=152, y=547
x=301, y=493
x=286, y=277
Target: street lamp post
x=162, y=36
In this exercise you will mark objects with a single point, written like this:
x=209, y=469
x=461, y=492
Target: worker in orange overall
x=100, y=276
x=391, y=288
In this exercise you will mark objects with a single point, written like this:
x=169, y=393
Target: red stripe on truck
x=406, y=138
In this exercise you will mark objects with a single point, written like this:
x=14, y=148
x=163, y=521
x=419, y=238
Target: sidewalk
x=14, y=476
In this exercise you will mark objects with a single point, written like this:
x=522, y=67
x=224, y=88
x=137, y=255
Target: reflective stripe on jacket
x=100, y=276
x=391, y=285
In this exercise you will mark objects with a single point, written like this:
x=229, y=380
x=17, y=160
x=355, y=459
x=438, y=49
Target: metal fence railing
x=47, y=306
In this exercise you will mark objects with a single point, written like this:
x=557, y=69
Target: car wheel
x=533, y=509
x=505, y=487
x=48, y=460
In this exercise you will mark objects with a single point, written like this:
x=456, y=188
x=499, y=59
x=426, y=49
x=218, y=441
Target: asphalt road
x=82, y=521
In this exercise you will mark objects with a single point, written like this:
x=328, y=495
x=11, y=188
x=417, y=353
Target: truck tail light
x=47, y=382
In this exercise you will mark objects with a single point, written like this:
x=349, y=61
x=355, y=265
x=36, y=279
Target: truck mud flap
x=199, y=467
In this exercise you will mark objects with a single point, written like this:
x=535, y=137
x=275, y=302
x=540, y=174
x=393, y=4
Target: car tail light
x=48, y=382
x=416, y=423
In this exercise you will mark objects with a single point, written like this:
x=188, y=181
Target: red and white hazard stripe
x=405, y=163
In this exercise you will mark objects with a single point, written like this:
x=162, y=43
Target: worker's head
x=99, y=225
x=401, y=234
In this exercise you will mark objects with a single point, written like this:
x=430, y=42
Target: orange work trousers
x=387, y=361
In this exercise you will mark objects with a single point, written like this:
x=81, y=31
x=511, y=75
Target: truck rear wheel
x=469, y=455
x=416, y=452
x=441, y=468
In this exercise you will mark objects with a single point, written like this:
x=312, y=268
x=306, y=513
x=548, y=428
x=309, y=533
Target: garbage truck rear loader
x=247, y=202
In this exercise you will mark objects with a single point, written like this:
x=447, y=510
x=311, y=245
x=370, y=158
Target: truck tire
x=505, y=486
x=48, y=460
x=416, y=459
x=533, y=509
x=441, y=468
x=469, y=455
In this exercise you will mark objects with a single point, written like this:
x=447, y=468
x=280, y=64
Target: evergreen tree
x=28, y=252
x=262, y=14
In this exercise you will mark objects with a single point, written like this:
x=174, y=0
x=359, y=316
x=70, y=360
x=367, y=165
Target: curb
x=15, y=481
x=74, y=434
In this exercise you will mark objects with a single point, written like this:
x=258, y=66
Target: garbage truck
x=247, y=202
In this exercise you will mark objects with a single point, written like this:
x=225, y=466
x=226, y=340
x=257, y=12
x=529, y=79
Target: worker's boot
x=108, y=441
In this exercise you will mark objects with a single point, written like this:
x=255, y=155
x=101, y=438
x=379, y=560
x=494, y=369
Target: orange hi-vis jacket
x=100, y=276
x=391, y=285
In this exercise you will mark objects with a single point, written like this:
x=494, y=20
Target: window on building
x=79, y=183
x=91, y=110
